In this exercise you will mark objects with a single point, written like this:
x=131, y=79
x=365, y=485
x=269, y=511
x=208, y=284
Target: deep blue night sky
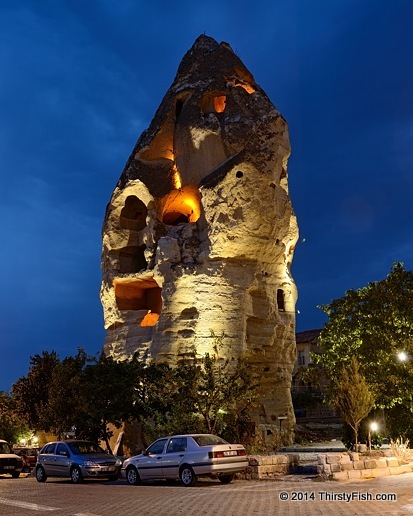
x=80, y=80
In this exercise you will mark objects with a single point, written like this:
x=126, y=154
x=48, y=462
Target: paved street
x=207, y=498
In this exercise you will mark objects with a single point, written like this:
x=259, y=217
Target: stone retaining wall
x=345, y=466
x=269, y=466
x=333, y=466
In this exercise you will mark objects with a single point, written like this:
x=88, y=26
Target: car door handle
x=159, y=458
x=181, y=455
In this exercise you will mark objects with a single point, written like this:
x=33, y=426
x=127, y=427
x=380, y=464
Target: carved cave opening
x=132, y=259
x=178, y=108
x=140, y=295
x=242, y=79
x=133, y=214
x=181, y=206
x=180, y=101
x=280, y=300
x=213, y=102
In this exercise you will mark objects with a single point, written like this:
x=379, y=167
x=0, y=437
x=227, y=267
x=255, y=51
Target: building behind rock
x=199, y=234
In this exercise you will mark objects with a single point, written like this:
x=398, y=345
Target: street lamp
x=402, y=356
x=372, y=428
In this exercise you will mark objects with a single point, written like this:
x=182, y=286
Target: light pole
x=372, y=428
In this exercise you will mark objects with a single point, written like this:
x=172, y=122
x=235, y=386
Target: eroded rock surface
x=199, y=233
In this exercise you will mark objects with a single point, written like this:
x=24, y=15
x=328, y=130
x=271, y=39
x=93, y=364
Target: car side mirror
x=144, y=452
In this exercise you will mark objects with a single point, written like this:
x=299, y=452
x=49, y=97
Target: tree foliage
x=207, y=393
x=223, y=387
x=82, y=392
x=352, y=398
x=63, y=408
x=373, y=324
x=89, y=394
x=31, y=392
x=105, y=398
x=12, y=426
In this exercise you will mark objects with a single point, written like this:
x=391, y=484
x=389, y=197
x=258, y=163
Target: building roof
x=308, y=336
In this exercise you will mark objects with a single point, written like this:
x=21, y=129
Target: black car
x=9, y=462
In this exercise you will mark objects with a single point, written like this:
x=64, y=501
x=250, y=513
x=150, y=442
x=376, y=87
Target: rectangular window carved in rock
x=280, y=300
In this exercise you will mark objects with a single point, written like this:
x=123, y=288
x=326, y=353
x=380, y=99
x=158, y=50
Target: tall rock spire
x=199, y=233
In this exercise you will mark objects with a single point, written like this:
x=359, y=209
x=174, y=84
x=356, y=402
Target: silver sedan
x=186, y=457
x=76, y=460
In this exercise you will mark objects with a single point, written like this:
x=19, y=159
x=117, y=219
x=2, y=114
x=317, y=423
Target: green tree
x=88, y=394
x=83, y=393
x=12, y=426
x=31, y=392
x=373, y=324
x=352, y=397
x=105, y=397
x=64, y=407
x=222, y=389
x=206, y=393
x=163, y=400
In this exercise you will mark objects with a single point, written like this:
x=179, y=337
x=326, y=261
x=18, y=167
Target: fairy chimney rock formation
x=199, y=233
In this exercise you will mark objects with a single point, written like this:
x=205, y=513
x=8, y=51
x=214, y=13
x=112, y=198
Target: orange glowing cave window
x=181, y=206
x=247, y=87
x=138, y=294
x=213, y=102
x=219, y=103
x=242, y=79
x=150, y=319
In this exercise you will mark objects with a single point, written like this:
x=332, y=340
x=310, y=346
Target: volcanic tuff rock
x=199, y=233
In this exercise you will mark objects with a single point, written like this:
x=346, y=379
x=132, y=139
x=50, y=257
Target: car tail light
x=215, y=454
x=221, y=454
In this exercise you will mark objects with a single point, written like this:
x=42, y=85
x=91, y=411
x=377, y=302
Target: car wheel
x=226, y=479
x=15, y=474
x=40, y=474
x=132, y=476
x=76, y=475
x=187, y=476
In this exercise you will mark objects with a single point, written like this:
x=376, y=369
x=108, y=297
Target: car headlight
x=118, y=462
x=90, y=463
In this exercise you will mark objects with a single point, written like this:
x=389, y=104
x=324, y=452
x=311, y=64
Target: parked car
x=186, y=457
x=9, y=462
x=385, y=444
x=28, y=456
x=76, y=460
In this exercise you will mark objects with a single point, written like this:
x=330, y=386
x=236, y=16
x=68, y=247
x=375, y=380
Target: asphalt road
x=287, y=496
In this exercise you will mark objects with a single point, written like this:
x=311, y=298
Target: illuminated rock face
x=199, y=233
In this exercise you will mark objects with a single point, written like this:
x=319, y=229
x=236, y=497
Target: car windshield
x=4, y=448
x=83, y=447
x=208, y=440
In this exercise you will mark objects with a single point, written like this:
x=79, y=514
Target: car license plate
x=230, y=453
x=8, y=467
